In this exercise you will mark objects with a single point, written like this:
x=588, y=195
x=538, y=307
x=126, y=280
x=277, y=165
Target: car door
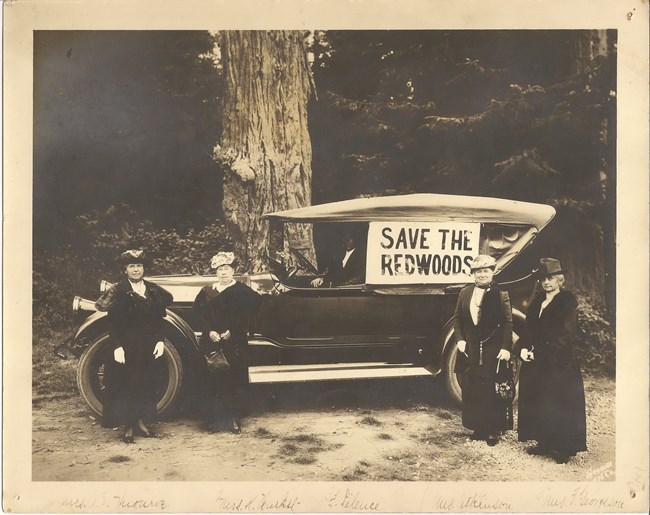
x=300, y=317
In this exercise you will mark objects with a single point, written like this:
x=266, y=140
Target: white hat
x=222, y=258
x=483, y=261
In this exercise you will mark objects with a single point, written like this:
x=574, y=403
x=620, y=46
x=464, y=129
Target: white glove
x=526, y=355
x=226, y=335
x=317, y=282
x=504, y=355
x=214, y=336
x=461, y=344
x=159, y=350
x=118, y=354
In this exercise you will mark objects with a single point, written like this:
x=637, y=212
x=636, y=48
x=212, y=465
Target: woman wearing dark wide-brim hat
x=224, y=311
x=551, y=391
x=136, y=309
x=483, y=332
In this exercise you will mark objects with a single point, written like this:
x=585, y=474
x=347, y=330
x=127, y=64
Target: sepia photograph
x=325, y=267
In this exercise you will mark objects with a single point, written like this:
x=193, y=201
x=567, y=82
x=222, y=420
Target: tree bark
x=265, y=148
x=588, y=45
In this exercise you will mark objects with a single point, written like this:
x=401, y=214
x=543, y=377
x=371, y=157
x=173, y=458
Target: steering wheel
x=304, y=262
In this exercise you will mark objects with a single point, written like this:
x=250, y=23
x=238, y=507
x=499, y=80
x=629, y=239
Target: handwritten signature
x=351, y=500
x=263, y=502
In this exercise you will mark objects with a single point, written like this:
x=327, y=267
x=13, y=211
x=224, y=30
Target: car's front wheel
x=90, y=375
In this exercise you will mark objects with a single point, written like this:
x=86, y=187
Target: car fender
x=181, y=333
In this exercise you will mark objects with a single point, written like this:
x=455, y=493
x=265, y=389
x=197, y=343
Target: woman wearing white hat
x=483, y=331
x=551, y=391
x=224, y=311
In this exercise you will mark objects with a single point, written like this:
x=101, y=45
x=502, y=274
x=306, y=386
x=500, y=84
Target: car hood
x=184, y=288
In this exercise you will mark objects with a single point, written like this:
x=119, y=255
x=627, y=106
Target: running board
x=327, y=372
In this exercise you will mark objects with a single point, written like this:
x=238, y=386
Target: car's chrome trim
x=328, y=372
x=81, y=304
x=312, y=339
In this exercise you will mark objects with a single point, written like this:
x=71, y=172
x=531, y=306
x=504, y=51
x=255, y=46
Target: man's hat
x=132, y=256
x=222, y=258
x=483, y=261
x=549, y=266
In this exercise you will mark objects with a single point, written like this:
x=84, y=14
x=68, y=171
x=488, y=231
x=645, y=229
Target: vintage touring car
x=394, y=321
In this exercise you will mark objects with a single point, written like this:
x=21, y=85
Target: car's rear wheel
x=90, y=375
x=454, y=382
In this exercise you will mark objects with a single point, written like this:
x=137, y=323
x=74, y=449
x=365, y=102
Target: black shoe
x=142, y=430
x=128, y=436
x=492, y=440
x=562, y=459
x=538, y=450
x=235, y=428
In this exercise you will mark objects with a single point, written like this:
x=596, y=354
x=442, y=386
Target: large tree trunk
x=588, y=45
x=597, y=274
x=265, y=149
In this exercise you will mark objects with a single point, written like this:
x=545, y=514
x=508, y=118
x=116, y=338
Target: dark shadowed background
x=125, y=123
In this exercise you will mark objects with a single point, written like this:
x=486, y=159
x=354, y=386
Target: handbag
x=216, y=361
x=504, y=382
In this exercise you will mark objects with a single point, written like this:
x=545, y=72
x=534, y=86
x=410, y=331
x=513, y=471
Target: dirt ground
x=393, y=429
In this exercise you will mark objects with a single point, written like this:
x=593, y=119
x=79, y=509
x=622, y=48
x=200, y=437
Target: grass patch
x=119, y=458
x=371, y=421
x=52, y=377
x=406, y=458
x=303, y=449
x=288, y=449
x=385, y=436
x=359, y=473
x=262, y=432
x=444, y=414
x=305, y=438
x=440, y=440
x=305, y=459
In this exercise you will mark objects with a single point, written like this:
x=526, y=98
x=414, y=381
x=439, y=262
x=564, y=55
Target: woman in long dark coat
x=224, y=311
x=483, y=331
x=136, y=309
x=551, y=391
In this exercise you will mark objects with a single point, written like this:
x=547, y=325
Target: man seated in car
x=349, y=268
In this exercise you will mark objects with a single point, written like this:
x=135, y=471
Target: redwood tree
x=265, y=148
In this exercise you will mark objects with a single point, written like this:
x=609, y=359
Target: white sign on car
x=421, y=252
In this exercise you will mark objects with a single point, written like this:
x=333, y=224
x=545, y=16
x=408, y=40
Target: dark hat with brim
x=133, y=256
x=549, y=266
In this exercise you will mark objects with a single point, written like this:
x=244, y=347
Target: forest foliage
x=125, y=126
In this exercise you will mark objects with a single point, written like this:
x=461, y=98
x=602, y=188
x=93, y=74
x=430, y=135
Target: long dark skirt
x=229, y=397
x=552, y=408
x=483, y=411
x=129, y=392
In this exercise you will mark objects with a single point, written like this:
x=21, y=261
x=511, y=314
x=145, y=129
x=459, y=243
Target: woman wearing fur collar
x=224, y=311
x=551, y=391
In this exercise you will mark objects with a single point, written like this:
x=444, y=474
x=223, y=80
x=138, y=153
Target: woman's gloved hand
x=159, y=350
x=504, y=355
x=118, y=354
